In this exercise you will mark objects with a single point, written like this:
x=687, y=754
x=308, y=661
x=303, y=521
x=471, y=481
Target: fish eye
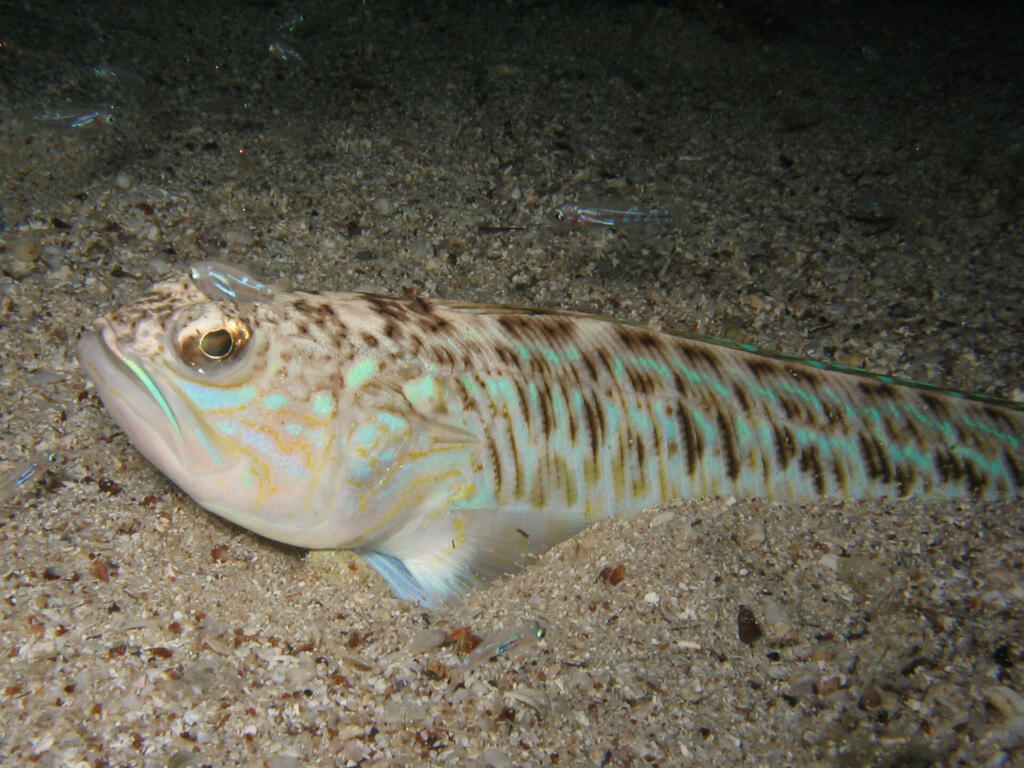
x=216, y=345
x=204, y=347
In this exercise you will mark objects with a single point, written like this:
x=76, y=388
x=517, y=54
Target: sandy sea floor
x=845, y=182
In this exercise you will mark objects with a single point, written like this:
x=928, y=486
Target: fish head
x=229, y=400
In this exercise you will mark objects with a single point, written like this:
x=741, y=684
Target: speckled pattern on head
x=446, y=442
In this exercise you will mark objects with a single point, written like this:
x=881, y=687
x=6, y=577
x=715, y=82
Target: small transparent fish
x=99, y=117
x=519, y=637
x=118, y=76
x=292, y=23
x=25, y=474
x=576, y=216
x=224, y=281
x=283, y=46
x=107, y=74
x=283, y=52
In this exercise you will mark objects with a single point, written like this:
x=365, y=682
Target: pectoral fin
x=459, y=551
x=400, y=579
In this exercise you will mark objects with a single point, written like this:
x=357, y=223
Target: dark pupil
x=216, y=344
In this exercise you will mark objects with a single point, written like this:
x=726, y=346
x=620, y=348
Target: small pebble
x=427, y=640
x=183, y=759
x=496, y=758
x=383, y=207
x=20, y=257
x=25, y=248
x=775, y=620
x=748, y=629
x=829, y=561
x=754, y=533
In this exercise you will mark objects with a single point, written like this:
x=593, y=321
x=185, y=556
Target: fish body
x=576, y=216
x=215, y=278
x=99, y=117
x=446, y=441
x=26, y=473
x=517, y=638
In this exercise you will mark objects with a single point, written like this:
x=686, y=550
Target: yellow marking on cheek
x=460, y=532
x=462, y=492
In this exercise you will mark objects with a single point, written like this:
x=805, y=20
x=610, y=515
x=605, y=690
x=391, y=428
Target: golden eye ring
x=205, y=348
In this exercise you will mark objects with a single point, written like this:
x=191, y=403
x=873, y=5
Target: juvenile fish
x=119, y=76
x=446, y=442
x=26, y=474
x=576, y=216
x=519, y=637
x=224, y=281
x=80, y=119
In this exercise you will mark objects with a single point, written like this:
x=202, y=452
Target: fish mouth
x=152, y=416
